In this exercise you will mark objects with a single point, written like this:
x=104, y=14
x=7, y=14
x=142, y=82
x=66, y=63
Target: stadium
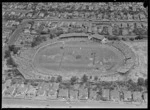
x=76, y=54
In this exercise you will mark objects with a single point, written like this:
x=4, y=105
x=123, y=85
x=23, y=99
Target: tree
x=84, y=78
x=124, y=39
x=99, y=91
x=73, y=80
x=35, y=84
x=37, y=40
x=33, y=44
x=130, y=81
x=59, y=79
x=95, y=78
x=78, y=57
x=52, y=79
x=90, y=77
x=14, y=49
x=139, y=88
x=140, y=82
x=146, y=82
x=17, y=73
x=11, y=62
x=132, y=39
x=11, y=47
x=17, y=81
x=7, y=54
x=67, y=85
x=132, y=86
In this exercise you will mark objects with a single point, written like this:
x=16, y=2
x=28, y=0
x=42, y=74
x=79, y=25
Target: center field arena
x=77, y=57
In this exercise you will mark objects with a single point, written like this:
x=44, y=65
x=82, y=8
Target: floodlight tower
x=93, y=53
x=62, y=56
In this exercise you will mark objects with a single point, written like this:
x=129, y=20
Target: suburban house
x=127, y=96
x=9, y=91
x=83, y=93
x=31, y=93
x=41, y=93
x=93, y=94
x=6, y=85
x=53, y=91
x=76, y=86
x=145, y=97
x=73, y=94
x=21, y=91
x=105, y=94
x=115, y=95
x=55, y=86
x=137, y=96
x=63, y=93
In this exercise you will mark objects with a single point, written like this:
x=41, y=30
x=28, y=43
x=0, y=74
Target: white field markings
x=55, y=43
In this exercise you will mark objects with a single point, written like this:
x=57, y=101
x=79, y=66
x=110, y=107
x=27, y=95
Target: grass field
x=77, y=56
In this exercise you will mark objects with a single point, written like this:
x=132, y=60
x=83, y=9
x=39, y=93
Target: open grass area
x=78, y=56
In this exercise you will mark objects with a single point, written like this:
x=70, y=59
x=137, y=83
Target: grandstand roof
x=73, y=34
x=97, y=36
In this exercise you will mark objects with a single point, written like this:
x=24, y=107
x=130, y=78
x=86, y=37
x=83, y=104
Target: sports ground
x=78, y=57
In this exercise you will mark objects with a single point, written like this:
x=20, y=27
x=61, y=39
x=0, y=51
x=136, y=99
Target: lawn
x=77, y=56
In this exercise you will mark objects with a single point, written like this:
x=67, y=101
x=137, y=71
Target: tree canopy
x=59, y=79
x=140, y=82
x=84, y=78
x=7, y=54
x=145, y=82
x=11, y=62
x=73, y=80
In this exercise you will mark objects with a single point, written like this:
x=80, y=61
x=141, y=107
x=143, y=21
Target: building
x=55, y=86
x=41, y=93
x=127, y=95
x=83, y=93
x=8, y=82
x=53, y=91
x=76, y=86
x=21, y=91
x=73, y=94
x=137, y=96
x=52, y=94
x=105, y=94
x=9, y=91
x=93, y=94
x=104, y=40
x=31, y=93
x=3, y=88
x=145, y=97
x=63, y=93
x=115, y=95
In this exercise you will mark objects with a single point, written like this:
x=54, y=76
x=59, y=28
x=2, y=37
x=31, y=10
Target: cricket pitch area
x=76, y=57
